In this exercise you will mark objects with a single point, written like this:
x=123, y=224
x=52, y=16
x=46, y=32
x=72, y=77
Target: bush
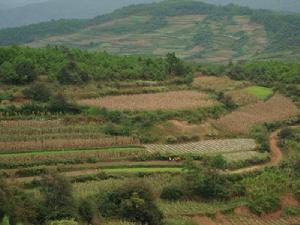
x=86, y=211
x=59, y=104
x=58, y=202
x=171, y=193
x=134, y=202
x=265, y=203
x=72, y=74
x=38, y=92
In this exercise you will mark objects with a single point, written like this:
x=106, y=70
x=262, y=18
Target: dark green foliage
x=38, y=92
x=25, y=69
x=58, y=202
x=72, y=74
x=206, y=182
x=21, y=71
x=261, y=134
x=17, y=205
x=87, y=210
x=73, y=66
x=58, y=103
x=133, y=202
x=266, y=72
x=8, y=73
x=171, y=193
x=265, y=203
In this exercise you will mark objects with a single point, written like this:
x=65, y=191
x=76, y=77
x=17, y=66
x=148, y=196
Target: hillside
x=194, y=30
x=278, y=5
x=20, y=13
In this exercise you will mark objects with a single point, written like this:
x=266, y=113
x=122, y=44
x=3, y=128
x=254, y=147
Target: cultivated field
x=209, y=147
x=24, y=135
x=158, y=101
x=275, y=109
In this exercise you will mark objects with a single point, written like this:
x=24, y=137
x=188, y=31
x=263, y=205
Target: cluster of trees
x=133, y=201
x=73, y=66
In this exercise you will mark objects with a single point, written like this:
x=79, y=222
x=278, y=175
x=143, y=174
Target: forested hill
x=15, y=13
x=278, y=5
x=194, y=30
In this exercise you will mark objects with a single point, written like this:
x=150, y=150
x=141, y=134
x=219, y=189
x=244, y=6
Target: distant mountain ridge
x=194, y=30
x=43, y=10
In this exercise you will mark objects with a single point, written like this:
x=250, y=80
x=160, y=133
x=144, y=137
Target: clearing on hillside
x=158, y=101
x=275, y=109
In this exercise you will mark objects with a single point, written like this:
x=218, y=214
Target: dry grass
x=158, y=101
x=240, y=121
x=217, y=83
x=241, y=97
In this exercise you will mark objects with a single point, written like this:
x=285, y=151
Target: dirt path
x=276, y=156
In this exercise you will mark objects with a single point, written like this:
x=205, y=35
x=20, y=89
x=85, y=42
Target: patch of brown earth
x=289, y=199
x=219, y=217
x=272, y=216
x=242, y=211
x=204, y=220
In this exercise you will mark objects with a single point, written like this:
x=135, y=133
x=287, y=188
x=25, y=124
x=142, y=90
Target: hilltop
x=194, y=30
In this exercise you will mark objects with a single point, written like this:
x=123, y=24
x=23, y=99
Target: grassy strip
x=142, y=170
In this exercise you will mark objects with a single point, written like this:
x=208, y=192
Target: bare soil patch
x=157, y=101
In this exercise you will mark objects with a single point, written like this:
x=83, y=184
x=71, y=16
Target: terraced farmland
x=158, y=101
x=209, y=147
x=24, y=135
x=275, y=109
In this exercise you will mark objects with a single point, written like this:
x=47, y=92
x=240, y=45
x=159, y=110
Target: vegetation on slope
x=153, y=19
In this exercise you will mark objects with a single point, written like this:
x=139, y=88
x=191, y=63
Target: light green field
x=143, y=170
x=260, y=92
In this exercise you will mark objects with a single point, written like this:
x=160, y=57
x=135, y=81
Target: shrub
x=86, y=211
x=59, y=103
x=264, y=203
x=134, y=202
x=171, y=140
x=72, y=74
x=58, y=200
x=171, y=193
x=38, y=92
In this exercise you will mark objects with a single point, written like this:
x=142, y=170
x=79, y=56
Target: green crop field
x=261, y=92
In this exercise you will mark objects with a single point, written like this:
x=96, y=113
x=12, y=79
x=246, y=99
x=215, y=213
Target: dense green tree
x=134, y=202
x=38, y=92
x=72, y=74
x=58, y=202
x=8, y=74
x=25, y=70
